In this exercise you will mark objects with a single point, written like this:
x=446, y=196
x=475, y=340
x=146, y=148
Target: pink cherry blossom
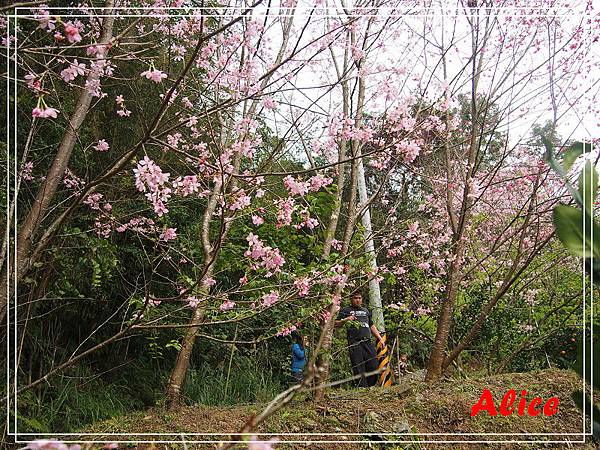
x=285, y=209
x=153, y=303
x=303, y=286
x=155, y=75
x=93, y=200
x=193, y=301
x=424, y=265
x=241, y=201
x=255, y=444
x=72, y=33
x=26, y=172
x=71, y=181
x=45, y=112
x=413, y=228
x=269, y=103
x=43, y=17
x=273, y=260
x=286, y=331
x=319, y=181
x=32, y=82
x=295, y=187
x=270, y=299
x=226, y=305
x=336, y=299
x=93, y=87
x=150, y=178
x=422, y=311
x=102, y=146
x=270, y=259
x=168, y=235
x=187, y=185
x=209, y=282
x=123, y=111
x=51, y=444
x=307, y=221
x=45, y=444
x=73, y=70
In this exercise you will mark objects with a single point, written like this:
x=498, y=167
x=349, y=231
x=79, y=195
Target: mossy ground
x=355, y=417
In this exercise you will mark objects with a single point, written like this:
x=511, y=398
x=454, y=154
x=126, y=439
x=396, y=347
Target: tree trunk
x=374, y=291
x=182, y=362
x=212, y=250
x=54, y=176
x=324, y=359
x=435, y=366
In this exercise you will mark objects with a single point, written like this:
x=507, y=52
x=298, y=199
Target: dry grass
x=412, y=407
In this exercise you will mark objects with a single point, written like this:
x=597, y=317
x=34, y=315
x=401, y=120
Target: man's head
x=356, y=299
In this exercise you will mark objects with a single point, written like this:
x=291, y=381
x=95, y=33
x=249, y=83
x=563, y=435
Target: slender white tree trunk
x=374, y=291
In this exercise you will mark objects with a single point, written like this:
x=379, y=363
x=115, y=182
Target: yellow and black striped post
x=383, y=356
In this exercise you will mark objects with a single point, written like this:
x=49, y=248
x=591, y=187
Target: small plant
x=580, y=234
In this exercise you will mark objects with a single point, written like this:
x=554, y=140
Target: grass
x=209, y=386
x=442, y=407
x=71, y=404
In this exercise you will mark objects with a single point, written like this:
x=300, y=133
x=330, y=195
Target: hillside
x=357, y=416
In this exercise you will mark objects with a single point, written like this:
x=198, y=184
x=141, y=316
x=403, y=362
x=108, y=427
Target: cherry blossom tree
x=237, y=151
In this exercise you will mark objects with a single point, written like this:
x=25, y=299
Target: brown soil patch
x=412, y=407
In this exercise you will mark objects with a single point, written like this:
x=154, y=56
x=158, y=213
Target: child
x=298, y=357
x=403, y=365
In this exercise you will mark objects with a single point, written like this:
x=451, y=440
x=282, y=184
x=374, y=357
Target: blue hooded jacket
x=298, y=358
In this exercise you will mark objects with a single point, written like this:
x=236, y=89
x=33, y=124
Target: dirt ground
x=411, y=415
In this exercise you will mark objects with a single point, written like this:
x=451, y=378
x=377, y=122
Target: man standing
x=360, y=327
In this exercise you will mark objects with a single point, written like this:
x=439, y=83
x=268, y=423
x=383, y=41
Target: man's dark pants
x=363, y=358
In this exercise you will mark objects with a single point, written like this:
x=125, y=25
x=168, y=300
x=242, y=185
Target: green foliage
x=573, y=152
x=576, y=228
x=209, y=385
x=577, y=238
x=82, y=398
x=580, y=234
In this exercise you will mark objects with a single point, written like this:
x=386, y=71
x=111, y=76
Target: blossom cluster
x=267, y=257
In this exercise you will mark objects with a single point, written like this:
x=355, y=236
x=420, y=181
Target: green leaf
x=568, y=222
x=549, y=157
x=174, y=344
x=573, y=152
x=33, y=424
x=588, y=187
